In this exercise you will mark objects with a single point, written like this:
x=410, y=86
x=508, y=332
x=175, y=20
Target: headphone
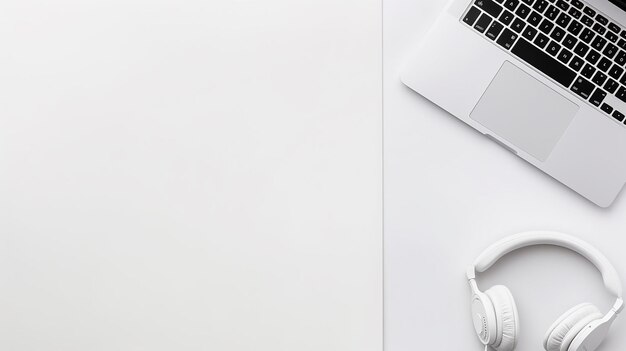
x=495, y=316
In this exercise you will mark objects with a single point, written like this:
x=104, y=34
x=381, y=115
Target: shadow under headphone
x=495, y=316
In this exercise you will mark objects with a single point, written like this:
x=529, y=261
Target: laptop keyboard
x=567, y=40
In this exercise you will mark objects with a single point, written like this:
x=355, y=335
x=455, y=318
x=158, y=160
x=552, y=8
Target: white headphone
x=582, y=328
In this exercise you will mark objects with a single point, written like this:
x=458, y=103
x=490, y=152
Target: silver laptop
x=543, y=78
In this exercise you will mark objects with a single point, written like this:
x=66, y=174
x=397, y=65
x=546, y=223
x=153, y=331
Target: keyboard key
x=506, y=17
x=518, y=25
x=522, y=11
x=603, y=20
x=570, y=41
x=511, y=4
x=575, y=27
x=540, y=6
x=546, y=26
x=597, y=97
x=577, y=4
x=553, y=48
x=543, y=62
x=587, y=35
x=599, y=28
x=607, y=108
x=604, y=64
x=614, y=28
x=589, y=11
x=534, y=18
x=494, y=30
x=622, y=44
x=616, y=71
x=563, y=20
x=529, y=33
x=557, y=34
x=618, y=116
x=623, y=80
x=621, y=94
x=593, y=56
x=587, y=21
x=611, y=86
x=483, y=23
x=598, y=43
x=583, y=87
x=507, y=39
x=620, y=59
x=489, y=6
x=577, y=63
x=599, y=78
x=612, y=37
x=564, y=56
x=610, y=51
x=623, y=34
x=552, y=13
x=575, y=13
x=588, y=71
x=562, y=5
x=541, y=41
x=528, y=2
x=581, y=49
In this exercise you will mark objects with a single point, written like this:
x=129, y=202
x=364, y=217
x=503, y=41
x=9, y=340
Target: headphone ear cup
x=507, y=319
x=562, y=332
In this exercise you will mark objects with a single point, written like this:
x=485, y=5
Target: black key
x=553, y=48
x=621, y=94
x=620, y=59
x=622, y=44
x=607, y=108
x=528, y=2
x=483, y=23
x=581, y=49
x=575, y=27
x=570, y=41
x=623, y=80
x=587, y=21
x=611, y=85
x=534, y=18
x=587, y=35
x=599, y=28
x=506, y=17
x=575, y=13
x=593, y=56
x=562, y=5
x=540, y=6
x=598, y=43
x=490, y=7
x=511, y=4
x=604, y=64
x=614, y=28
x=588, y=71
x=507, y=39
x=582, y=87
x=546, y=26
x=577, y=63
x=563, y=20
x=597, y=97
x=541, y=41
x=602, y=20
x=543, y=62
x=518, y=25
x=599, y=78
x=557, y=34
x=494, y=30
x=529, y=33
x=564, y=56
x=612, y=37
x=618, y=115
x=522, y=11
x=623, y=34
x=616, y=71
x=610, y=50
x=589, y=11
x=552, y=12
x=577, y=4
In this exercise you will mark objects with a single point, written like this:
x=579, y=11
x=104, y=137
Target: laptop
x=546, y=79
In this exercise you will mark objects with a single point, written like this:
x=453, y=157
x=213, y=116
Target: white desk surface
x=450, y=192
x=190, y=175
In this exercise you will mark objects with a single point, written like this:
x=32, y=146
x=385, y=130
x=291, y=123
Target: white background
x=449, y=193
x=190, y=175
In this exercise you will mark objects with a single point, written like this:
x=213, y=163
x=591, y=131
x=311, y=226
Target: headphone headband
x=496, y=251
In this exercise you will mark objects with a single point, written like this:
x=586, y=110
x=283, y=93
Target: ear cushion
x=564, y=330
x=506, y=318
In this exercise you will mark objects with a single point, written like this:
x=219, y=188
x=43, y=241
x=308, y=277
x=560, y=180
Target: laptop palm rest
x=525, y=112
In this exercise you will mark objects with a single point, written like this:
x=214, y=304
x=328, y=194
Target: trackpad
x=524, y=111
